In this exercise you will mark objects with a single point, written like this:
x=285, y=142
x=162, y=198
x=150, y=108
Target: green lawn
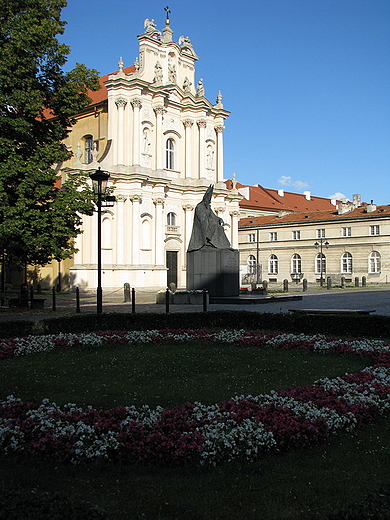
x=304, y=484
x=164, y=374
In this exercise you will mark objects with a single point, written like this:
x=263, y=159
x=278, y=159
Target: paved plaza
x=375, y=298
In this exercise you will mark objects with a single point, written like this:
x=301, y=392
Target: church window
x=88, y=147
x=170, y=154
x=171, y=219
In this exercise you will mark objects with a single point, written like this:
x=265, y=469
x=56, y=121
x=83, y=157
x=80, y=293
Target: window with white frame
x=171, y=219
x=170, y=154
x=273, y=264
x=320, y=233
x=296, y=264
x=252, y=237
x=296, y=235
x=346, y=263
x=320, y=267
x=251, y=264
x=273, y=236
x=374, y=230
x=88, y=147
x=346, y=231
x=374, y=262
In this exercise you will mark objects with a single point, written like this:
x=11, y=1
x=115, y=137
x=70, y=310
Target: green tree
x=39, y=216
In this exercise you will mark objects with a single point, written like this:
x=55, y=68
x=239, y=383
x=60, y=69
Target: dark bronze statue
x=207, y=230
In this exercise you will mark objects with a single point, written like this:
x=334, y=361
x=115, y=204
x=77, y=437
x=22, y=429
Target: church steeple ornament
x=167, y=31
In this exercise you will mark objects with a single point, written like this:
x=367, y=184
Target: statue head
x=207, y=196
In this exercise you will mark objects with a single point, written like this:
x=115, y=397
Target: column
x=189, y=221
x=120, y=235
x=160, y=145
x=136, y=200
x=121, y=104
x=234, y=229
x=219, y=131
x=202, y=150
x=136, y=104
x=187, y=125
x=159, y=232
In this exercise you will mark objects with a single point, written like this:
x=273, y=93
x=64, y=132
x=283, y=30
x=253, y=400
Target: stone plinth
x=216, y=270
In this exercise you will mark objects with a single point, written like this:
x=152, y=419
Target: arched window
x=346, y=263
x=146, y=238
x=374, y=262
x=170, y=154
x=273, y=264
x=88, y=146
x=107, y=232
x=251, y=264
x=320, y=267
x=296, y=264
x=171, y=219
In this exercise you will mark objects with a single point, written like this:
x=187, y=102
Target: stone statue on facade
x=208, y=228
x=158, y=74
x=186, y=85
x=200, y=88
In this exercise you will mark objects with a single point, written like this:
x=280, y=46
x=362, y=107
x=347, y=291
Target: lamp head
x=99, y=181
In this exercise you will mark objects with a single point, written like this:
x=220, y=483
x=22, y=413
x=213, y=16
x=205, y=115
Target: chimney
x=356, y=200
x=307, y=195
x=371, y=207
x=281, y=193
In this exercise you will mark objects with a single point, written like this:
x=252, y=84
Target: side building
x=351, y=241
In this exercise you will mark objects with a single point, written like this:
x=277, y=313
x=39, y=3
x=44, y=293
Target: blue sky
x=307, y=82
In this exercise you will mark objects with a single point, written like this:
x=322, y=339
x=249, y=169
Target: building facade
x=153, y=130
x=351, y=242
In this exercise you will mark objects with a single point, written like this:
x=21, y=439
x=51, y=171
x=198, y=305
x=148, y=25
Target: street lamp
x=99, y=185
x=320, y=245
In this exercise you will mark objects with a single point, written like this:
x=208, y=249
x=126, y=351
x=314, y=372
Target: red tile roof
x=316, y=216
x=279, y=200
x=100, y=95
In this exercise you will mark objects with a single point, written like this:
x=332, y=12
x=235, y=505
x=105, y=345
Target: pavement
x=375, y=298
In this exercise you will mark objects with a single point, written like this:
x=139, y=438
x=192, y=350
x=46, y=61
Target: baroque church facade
x=153, y=130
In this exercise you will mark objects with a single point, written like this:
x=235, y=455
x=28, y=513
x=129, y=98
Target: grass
x=304, y=484
x=165, y=375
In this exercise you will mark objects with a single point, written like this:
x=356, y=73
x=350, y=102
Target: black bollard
x=285, y=285
x=343, y=282
x=204, y=300
x=78, y=300
x=54, y=307
x=356, y=282
x=328, y=283
x=126, y=292
x=31, y=297
x=133, y=300
x=167, y=301
x=304, y=285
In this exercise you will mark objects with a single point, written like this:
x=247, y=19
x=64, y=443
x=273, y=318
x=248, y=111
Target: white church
x=151, y=128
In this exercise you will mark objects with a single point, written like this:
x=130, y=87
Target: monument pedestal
x=216, y=270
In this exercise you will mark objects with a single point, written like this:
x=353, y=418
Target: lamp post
x=320, y=245
x=99, y=185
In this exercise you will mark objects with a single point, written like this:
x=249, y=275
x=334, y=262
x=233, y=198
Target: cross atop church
x=167, y=10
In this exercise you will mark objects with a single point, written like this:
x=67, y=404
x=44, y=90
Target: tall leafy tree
x=39, y=215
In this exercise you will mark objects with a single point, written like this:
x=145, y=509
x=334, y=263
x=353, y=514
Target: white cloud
x=338, y=196
x=286, y=180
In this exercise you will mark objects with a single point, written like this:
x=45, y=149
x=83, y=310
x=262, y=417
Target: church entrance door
x=172, y=267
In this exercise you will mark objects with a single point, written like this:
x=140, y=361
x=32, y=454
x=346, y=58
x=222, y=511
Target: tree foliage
x=39, y=215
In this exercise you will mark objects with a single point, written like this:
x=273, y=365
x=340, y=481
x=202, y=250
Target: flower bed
x=244, y=427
